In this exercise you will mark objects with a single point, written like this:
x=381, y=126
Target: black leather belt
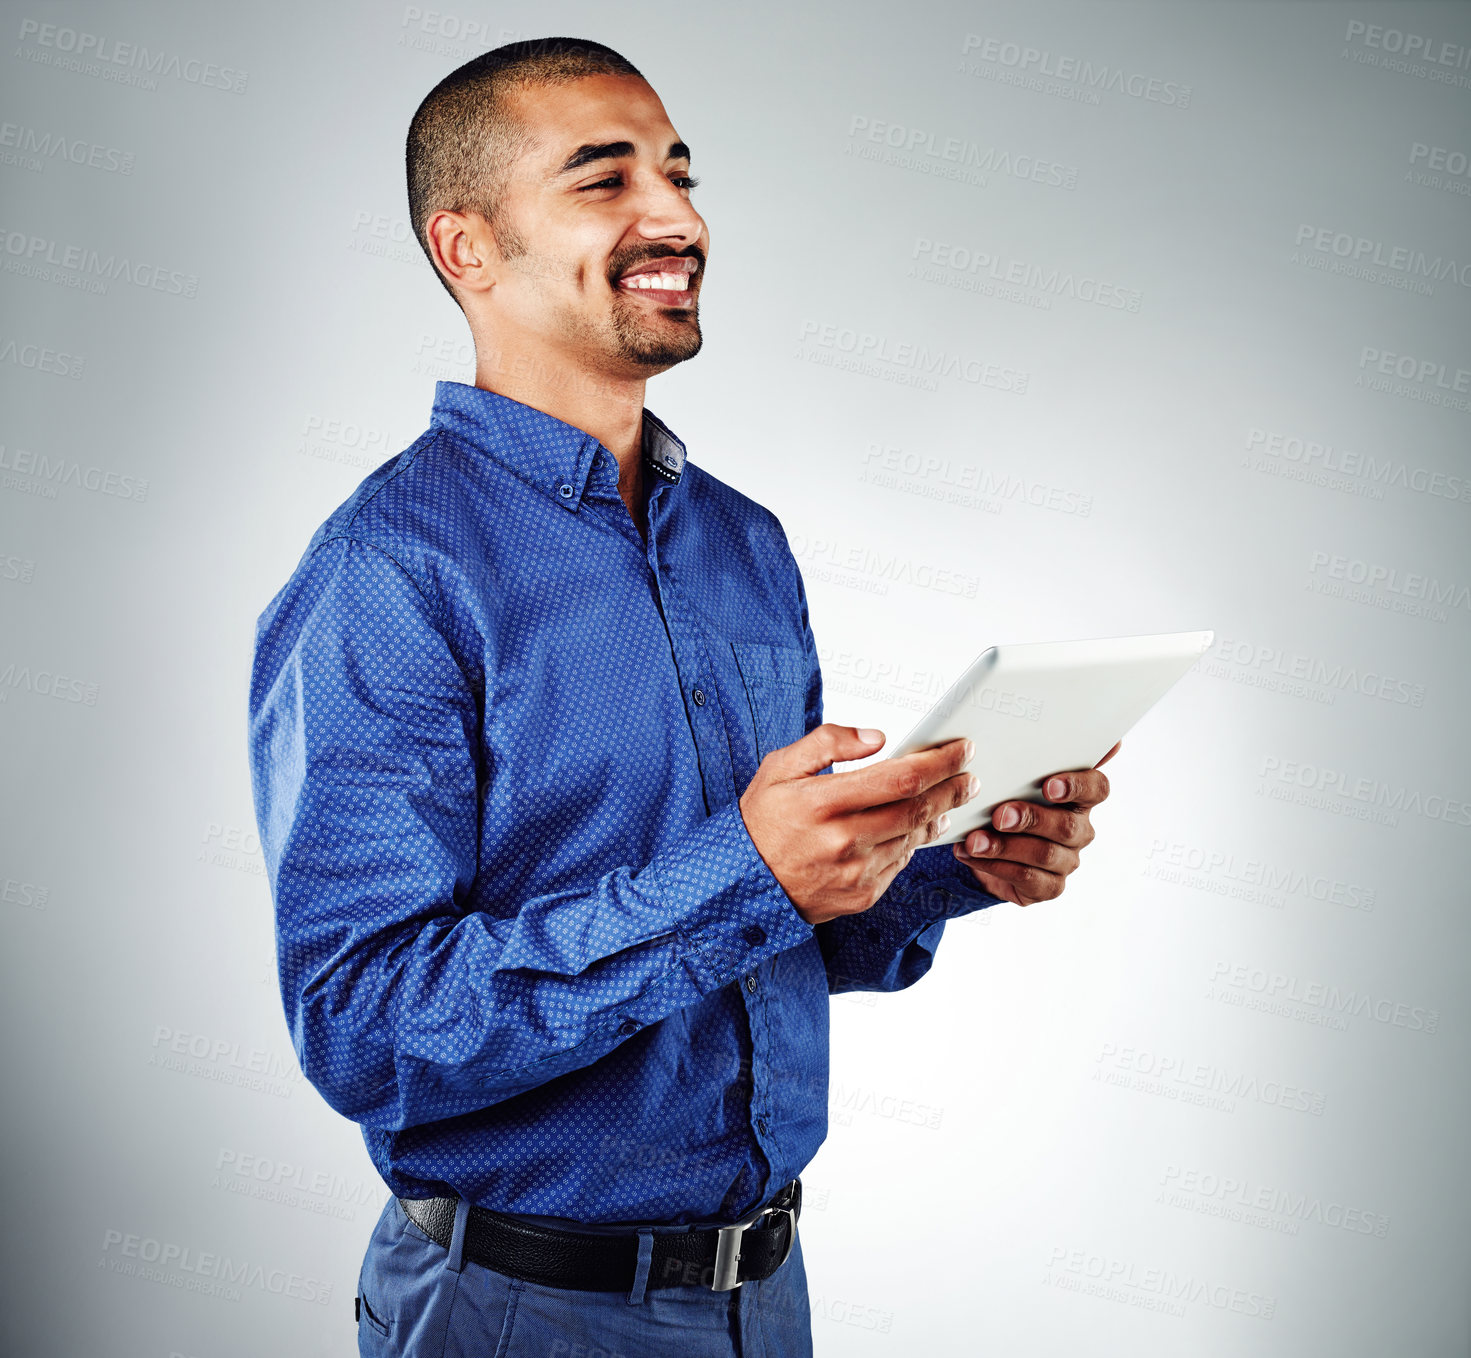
x=718, y=1258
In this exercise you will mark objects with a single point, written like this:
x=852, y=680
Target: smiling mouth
x=663, y=281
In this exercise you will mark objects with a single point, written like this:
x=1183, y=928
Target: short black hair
x=463, y=138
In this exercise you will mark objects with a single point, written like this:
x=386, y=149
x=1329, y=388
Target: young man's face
x=602, y=194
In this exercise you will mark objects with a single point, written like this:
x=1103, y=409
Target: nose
x=666, y=214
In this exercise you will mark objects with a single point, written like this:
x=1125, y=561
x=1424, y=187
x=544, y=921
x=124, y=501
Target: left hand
x=1032, y=863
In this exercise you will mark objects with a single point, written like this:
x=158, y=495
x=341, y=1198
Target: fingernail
x=869, y=736
x=944, y=822
x=972, y=786
x=1007, y=817
x=980, y=842
x=970, y=751
x=1056, y=788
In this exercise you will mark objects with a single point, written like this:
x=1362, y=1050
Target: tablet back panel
x=1039, y=708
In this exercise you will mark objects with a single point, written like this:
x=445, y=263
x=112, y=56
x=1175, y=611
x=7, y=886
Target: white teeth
x=667, y=282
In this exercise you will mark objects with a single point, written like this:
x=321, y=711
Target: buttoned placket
x=755, y=983
x=704, y=709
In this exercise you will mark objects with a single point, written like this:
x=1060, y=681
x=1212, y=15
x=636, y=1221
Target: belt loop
x=456, y=1261
x=641, y=1274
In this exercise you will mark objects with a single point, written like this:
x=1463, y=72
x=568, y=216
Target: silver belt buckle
x=728, y=1248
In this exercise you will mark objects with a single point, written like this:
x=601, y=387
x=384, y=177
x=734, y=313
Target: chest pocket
x=775, y=679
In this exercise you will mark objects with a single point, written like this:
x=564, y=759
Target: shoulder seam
x=406, y=460
x=408, y=575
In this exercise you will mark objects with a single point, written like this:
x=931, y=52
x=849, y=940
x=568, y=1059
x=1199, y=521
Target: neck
x=609, y=408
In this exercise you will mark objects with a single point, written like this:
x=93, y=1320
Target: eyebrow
x=612, y=150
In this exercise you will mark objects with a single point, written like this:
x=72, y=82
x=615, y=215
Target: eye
x=681, y=181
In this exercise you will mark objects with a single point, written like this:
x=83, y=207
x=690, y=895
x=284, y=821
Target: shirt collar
x=555, y=457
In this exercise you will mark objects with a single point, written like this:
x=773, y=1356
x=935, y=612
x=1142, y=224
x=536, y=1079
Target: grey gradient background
x=1211, y=1101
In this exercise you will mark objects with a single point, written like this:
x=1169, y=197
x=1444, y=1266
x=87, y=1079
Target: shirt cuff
x=734, y=913
x=940, y=884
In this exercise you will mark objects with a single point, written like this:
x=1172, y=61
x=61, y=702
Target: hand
x=1031, y=867
x=835, y=843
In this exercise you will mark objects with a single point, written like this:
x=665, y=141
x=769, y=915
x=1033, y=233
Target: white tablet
x=1041, y=708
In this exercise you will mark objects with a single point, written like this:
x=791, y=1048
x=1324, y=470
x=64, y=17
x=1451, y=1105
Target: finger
x=1081, y=787
x=1063, y=824
x=879, y=824
x=891, y=857
x=825, y=745
x=1110, y=754
x=1028, y=883
x=892, y=780
x=986, y=846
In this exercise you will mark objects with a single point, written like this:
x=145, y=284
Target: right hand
x=835, y=843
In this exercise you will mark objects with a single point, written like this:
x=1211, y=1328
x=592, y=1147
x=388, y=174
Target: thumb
x=828, y=744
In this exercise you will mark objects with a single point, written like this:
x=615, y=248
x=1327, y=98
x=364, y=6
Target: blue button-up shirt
x=497, y=741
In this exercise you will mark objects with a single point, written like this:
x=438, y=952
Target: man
x=536, y=726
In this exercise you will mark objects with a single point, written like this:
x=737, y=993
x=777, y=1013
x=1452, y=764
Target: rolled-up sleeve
x=405, y=1005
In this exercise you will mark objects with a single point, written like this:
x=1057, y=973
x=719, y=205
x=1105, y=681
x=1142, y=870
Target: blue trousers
x=420, y=1300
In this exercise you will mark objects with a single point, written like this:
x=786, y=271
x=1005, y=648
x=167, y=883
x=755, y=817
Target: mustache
x=624, y=263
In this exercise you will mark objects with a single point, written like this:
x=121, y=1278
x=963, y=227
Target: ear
x=464, y=250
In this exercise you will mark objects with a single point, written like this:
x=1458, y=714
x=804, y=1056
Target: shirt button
x=753, y=934
x=761, y=1126
x=565, y=491
x=628, y=1027
x=751, y=984
x=699, y=697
